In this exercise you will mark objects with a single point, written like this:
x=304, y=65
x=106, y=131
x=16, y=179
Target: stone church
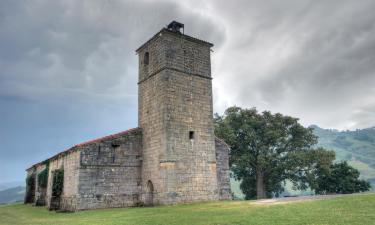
x=172, y=156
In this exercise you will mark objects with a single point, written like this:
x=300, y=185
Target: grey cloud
x=68, y=71
x=311, y=59
x=334, y=64
x=85, y=44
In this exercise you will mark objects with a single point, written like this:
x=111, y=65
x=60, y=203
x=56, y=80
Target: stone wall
x=109, y=173
x=69, y=162
x=187, y=55
x=40, y=192
x=188, y=109
x=174, y=51
x=30, y=185
x=150, y=119
x=34, y=193
x=175, y=98
x=223, y=172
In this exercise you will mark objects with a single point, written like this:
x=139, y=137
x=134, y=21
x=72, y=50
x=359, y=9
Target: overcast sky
x=68, y=70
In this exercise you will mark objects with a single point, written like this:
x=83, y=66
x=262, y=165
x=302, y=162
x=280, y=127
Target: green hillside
x=11, y=195
x=357, y=147
x=353, y=209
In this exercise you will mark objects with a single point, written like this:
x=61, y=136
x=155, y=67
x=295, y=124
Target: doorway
x=149, y=198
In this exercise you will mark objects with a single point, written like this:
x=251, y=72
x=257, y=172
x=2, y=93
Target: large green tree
x=267, y=149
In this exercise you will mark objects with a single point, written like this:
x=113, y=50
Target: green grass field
x=357, y=209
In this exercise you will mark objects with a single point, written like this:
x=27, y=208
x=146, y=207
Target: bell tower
x=175, y=113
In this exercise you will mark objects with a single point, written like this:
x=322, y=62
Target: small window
x=191, y=135
x=115, y=150
x=99, y=153
x=146, y=58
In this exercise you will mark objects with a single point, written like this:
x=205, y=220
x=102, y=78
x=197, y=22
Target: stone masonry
x=175, y=98
x=172, y=157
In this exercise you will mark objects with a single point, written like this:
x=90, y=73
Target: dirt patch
x=294, y=199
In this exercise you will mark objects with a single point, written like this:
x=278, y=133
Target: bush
x=340, y=178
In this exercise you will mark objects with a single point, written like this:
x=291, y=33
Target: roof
x=165, y=30
x=111, y=136
x=75, y=147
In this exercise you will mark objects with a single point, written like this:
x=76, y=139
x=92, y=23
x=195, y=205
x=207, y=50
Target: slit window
x=191, y=135
x=115, y=150
x=99, y=152
x=146, y=58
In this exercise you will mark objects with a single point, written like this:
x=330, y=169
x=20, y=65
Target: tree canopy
x=267, y=149
x=338, y=178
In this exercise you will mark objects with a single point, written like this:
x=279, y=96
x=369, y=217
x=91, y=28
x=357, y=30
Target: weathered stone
x=173, y=157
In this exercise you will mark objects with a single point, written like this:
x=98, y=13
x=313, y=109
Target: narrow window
x=191, y=135
x=99, y=153
x=146, y=58
x=115, y=151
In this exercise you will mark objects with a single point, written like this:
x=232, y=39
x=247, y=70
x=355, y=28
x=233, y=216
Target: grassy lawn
x=357, y=209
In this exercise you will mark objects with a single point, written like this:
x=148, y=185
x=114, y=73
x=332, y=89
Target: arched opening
x=149, y=198
x=146, y=58
x=57, y=189
x=30, y=189
x=41, y=187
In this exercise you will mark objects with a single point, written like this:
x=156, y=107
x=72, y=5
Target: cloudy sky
x=68, y=69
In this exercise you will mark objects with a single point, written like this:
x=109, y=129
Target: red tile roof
x=71, y=149
x=107, y=137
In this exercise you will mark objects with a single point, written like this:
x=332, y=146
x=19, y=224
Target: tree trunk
x=261, y=188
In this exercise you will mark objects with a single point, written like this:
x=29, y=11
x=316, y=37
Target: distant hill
x=11, y=195
x=357, y=147
x=7, y=185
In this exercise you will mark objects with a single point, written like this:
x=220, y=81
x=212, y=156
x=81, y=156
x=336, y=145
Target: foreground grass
x=357, y=209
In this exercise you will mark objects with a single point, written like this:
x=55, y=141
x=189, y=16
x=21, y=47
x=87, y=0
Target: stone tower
x=175, y=114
